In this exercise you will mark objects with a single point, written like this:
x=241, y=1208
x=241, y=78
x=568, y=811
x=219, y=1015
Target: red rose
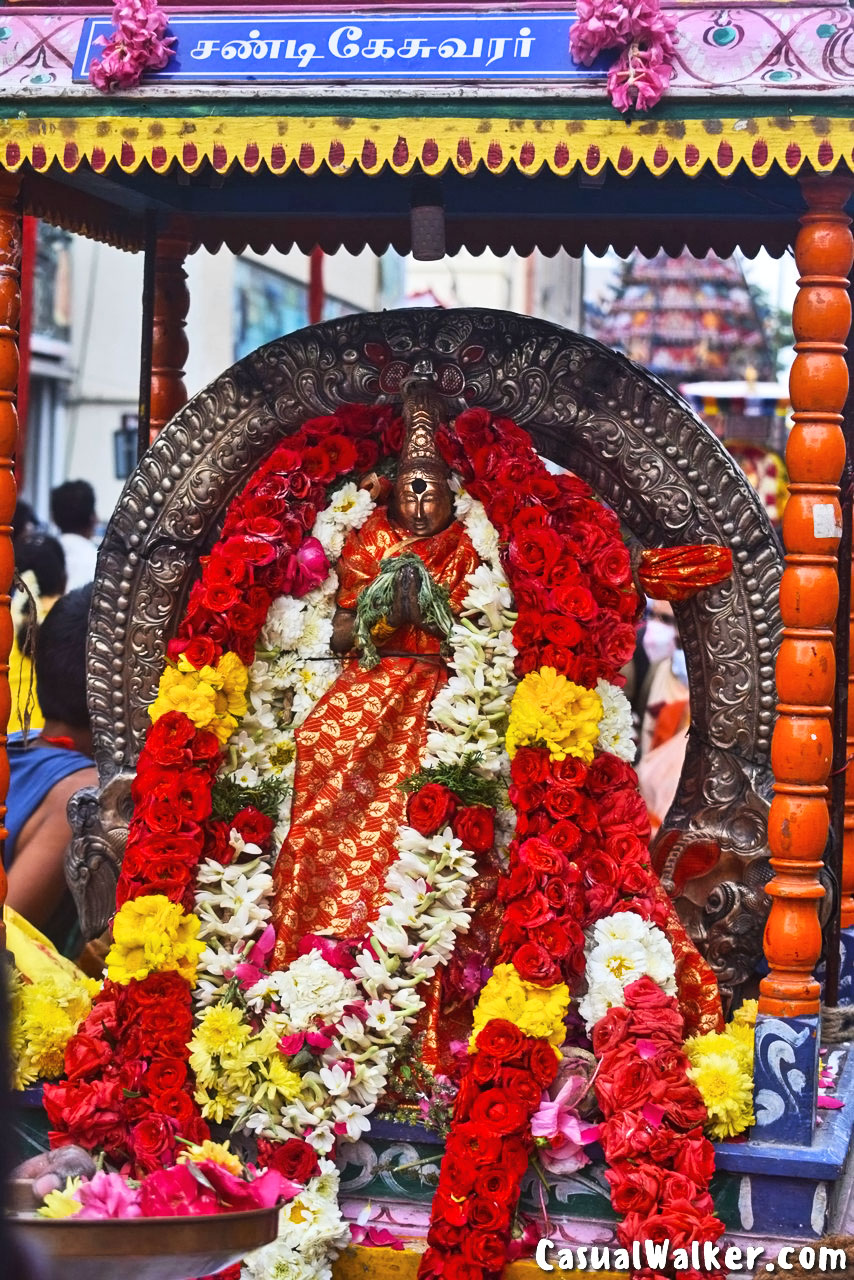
x=562, y=631
x=86, y=1055
x=497, y=1184
x=431, y=809
x=543, y=857
x=634, y=1189
x=515, y=882
x=565, y=835
x=500, y=1039
x=563, y=801
x=534, y=964
x=217, y=844
x=254, y=827
x=575, y=600
x=153, y=1142
x=626, y=1135
x=608, y=772
x=675, y=1186
x=498, y=1112
x=165, y=1074
x=526, y=797
x=529, y=911
x=169, y=738
x=476, y=1143
x=625, y=1081
x=474, y=827
x=635, y=879
x=553, y=938
x=530, y=764
x=611, y=1031
x=684, y=1105
x=514, y=1155
x=522, y=1087
x=177, y=1105
x=534, y=549
x=543, y=1062
x=664, y=1142
x=484, y=1068
x=484, y=1249
x=695, y=1157
x=625, y=809
x=486, y=1215
x=293, y=1159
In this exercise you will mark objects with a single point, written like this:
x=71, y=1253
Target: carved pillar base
x=785, y=1079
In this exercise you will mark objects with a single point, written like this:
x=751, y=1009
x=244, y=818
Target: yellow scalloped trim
x=340, y=143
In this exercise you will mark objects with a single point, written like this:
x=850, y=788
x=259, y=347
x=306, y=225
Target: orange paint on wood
x=801, y=748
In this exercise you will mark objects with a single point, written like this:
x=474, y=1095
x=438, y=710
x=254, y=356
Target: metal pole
x=143, y=436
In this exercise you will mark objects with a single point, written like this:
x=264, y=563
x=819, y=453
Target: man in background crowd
x=45, y=771
x=72, y=509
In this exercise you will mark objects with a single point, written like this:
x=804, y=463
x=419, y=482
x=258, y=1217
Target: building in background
x=81, y=421
x=686, y=319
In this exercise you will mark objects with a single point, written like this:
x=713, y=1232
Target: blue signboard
x=510, y=47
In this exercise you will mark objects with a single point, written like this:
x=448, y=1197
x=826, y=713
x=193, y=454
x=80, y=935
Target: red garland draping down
x=580, y=853
x=129, y=1088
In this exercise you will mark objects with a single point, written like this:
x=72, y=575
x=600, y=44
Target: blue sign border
x=551, y=63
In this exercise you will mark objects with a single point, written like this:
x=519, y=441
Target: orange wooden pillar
x=801, y=749
x=169, y=348
x=847, y=879
x=10, y=310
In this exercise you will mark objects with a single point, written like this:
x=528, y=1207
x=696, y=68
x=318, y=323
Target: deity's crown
x=419, y=454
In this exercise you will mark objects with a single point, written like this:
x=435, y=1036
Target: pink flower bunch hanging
x=644, y=36
x=138, y=44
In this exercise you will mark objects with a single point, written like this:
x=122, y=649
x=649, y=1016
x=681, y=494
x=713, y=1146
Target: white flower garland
x=362, y=1019
x=621, y=948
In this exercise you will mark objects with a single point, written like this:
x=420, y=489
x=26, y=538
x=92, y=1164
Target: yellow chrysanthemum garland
x=44, y=1016
x=153, y=935
x=536, y=1011
x=549, y=711
x=722, y=1069
x=213, y=698
x=235, y=1069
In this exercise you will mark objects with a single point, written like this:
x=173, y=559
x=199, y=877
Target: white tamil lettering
x=204, y=49
x=414, y=47
x=378, y=47
x=524, y=44
x=349, y=50
x=496, y=48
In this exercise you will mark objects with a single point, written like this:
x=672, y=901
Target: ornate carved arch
x=588, y=409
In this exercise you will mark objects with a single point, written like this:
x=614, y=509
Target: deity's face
x=423, y=505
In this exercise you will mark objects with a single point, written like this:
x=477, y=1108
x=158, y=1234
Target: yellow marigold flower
x=62, y=1204
x=218, y=1152
x=744, y=1033
x=216, y=1105
x=213, y=697
x=536, y=1011
x=727, y=1091
x=221, y=1029
x=153, y=935
x=278, y=1080
x=550, y=711
x=745, y=1014
x=726, y=1044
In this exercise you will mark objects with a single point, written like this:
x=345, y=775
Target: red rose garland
x=580, y=853
x=129, y=1089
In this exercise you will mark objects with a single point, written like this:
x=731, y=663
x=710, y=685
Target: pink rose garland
x=137, y=45
x=644, y=36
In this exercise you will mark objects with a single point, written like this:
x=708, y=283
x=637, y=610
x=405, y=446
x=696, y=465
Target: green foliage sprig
x=467, y=784
x=229, y=797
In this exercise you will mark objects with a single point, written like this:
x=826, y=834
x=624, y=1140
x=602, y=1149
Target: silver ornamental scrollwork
x=588, y=409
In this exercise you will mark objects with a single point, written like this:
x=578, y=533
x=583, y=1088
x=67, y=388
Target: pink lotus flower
x=235, y=1194
x=639, y=78
x=176, y=1193
x=558, y=1120
x=338, y=954
x=107, y=1195
x=375, y=1237
x=312, y=567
